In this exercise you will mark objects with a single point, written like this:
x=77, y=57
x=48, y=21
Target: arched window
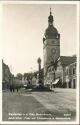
x=74, y=70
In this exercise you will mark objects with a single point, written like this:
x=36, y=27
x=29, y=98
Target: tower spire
x=50, y=11
x=50, y=18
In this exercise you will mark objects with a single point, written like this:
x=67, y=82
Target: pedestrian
x=17, y=89
x=51, y=85
x=10, y=88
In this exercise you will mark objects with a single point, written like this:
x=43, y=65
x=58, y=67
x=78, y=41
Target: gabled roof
x=67, y=60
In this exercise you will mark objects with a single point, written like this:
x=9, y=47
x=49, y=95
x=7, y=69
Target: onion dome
x=51, y=31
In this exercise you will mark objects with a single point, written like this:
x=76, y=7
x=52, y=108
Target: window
x=74, y=83
x=74, y=70
x=67, y=71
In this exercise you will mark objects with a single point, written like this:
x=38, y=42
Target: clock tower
x=51, y=48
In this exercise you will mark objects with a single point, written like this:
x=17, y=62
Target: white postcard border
x=77, y=89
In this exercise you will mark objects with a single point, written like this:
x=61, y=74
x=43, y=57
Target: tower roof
x=67, y=60
x=51, y=31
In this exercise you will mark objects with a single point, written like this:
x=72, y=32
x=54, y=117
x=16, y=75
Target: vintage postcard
x=39, y=62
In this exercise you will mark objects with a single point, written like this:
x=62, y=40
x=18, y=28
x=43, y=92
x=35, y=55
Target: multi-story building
x=6, y=76
x=58, y=70
x=66, y=71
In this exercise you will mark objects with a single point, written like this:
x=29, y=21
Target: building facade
x=70, y=77
x=6, y=76
x=66, y=71
x=51, y=48
x=60, y=70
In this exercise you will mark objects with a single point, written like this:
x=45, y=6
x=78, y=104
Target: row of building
x=64, y=75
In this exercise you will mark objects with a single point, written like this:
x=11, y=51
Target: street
x=39, y=106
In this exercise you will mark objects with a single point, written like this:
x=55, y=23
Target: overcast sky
x=23, y=28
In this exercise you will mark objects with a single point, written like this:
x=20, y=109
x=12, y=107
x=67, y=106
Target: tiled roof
x=67, y=60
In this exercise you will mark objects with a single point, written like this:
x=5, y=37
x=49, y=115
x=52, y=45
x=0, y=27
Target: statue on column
x=40, y=74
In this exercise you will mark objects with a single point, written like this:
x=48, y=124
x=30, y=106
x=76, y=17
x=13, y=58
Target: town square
x=39, y=63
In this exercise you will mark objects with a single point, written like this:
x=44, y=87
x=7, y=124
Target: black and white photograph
x=39, y=48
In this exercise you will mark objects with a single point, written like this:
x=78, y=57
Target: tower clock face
x=53, y=51
x=52, y=54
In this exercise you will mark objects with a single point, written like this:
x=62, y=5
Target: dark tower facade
x=51, y=49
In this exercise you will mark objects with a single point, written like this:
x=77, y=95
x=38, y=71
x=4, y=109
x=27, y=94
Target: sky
x=23, y=28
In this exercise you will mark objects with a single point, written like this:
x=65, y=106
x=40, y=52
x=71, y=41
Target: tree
x=19, y=76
